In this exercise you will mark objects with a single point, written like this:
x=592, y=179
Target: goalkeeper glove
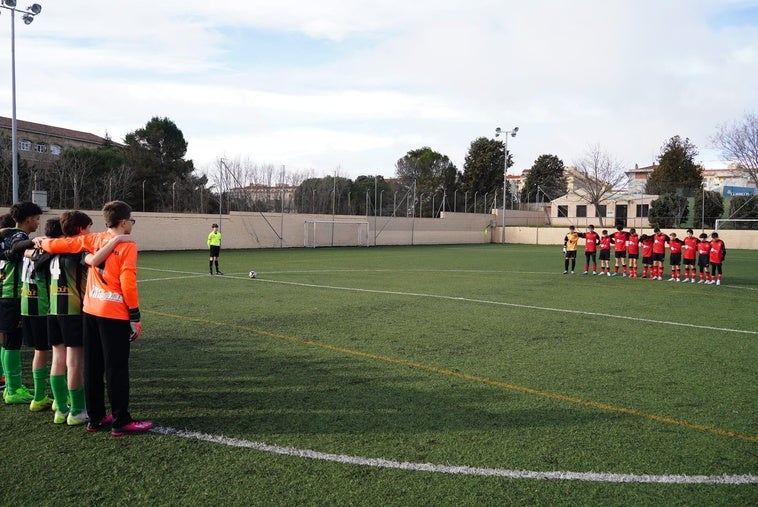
x=134, y=322
x=564, y=249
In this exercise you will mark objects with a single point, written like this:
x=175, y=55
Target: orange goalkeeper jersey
x=111, y=286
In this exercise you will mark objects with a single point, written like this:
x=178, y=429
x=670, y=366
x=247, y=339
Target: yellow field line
x=473, y=378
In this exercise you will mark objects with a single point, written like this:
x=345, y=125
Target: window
x=602, y=209
x=563, y=211
x=40, y=148
x=642, y=210
x=25, y=145
x=581, y=210
x=55, y=149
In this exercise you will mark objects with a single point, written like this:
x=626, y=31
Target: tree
x=483, y=169
x=739, y=144
x=669, y=210
x=597, y=175
x=317, y=195
x=432, y=173
x=714, y=208
x=677, y=171
x=546, y=178
x=156, y=152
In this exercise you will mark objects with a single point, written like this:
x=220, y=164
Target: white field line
x=460, y=470
x=514, y=305
x=470, y=300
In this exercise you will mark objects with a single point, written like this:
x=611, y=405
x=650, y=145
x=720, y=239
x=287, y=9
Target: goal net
x=320, y=233
x=737, y=223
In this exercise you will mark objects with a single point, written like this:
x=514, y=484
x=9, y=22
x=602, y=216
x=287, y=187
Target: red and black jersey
x=659, y=243
x=675, y=246
x=704, y=247
x=591, y=240
x=690, y=247
x=718, y=251
x=633, y=244
x=605, y=242
x=619, y=240
x=647, y=246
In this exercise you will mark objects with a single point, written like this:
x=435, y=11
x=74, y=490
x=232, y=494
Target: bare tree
x=598, y=174
x=738, y=143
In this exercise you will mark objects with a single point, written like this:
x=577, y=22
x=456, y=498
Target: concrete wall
x=180, y=231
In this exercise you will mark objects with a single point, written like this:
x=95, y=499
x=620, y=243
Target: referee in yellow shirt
x=214, y=243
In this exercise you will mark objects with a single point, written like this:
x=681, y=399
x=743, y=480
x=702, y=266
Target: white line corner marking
x=460, y=470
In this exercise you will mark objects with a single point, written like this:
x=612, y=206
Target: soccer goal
x=335, y=233
x=737, y=223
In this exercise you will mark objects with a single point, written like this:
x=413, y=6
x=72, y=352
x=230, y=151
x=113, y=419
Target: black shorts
x=675, y=259
x=215, y=250
x=571, y=254
x=65, y=330
x=634, y=256
x=590, y=255
x=10, y=323
x=659, y=257
x=689, y=262
x=605, y=255
x=703, y=261
x=621, y=254
x=647, y=260
x=35, y=332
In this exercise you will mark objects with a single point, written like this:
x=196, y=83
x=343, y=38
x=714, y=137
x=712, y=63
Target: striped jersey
x=35, y=301
x=68, y=279
x=10, y=265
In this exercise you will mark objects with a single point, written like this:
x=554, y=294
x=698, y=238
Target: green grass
x=449, y=355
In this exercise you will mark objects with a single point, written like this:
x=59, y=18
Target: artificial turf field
x=436, y=375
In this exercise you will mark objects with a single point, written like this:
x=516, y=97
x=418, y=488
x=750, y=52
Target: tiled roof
x=50, y=131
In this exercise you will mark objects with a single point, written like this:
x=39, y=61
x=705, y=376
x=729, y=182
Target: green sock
x=2, y=353
x=77, y=400
x=12, y=367
x=40, y=377
x=60, y=390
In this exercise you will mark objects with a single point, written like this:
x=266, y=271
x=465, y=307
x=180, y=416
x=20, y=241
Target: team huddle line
x=698, y=254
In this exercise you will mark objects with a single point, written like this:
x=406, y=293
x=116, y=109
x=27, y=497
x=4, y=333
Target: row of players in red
x=695, y=252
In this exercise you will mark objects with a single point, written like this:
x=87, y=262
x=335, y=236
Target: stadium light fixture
x=28, y=17
x=513, y=133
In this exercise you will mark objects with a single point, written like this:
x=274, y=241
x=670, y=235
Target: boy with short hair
x=605, y=253
x=659, y=253
x=570, y=242
x=689, y=252
x=647, y=255
x=703, y=252
x=591, y=240
x=675, y=257
x=35, y=304
x=26, y=216
x=716, y=258
x=619, y=239
x=633, y=251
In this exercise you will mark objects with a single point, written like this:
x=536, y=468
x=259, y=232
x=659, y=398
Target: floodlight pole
x=28, y=17
x=513, y=132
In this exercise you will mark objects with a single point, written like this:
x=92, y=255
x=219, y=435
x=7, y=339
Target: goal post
x=737, y=223
x=328, y=233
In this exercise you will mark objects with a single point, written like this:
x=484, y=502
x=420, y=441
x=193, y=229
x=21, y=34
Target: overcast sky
x=353, y=85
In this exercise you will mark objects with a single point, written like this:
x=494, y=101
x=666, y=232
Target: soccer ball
x=252, y=274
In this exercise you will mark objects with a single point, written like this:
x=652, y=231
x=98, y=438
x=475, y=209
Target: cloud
x=357, y=84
